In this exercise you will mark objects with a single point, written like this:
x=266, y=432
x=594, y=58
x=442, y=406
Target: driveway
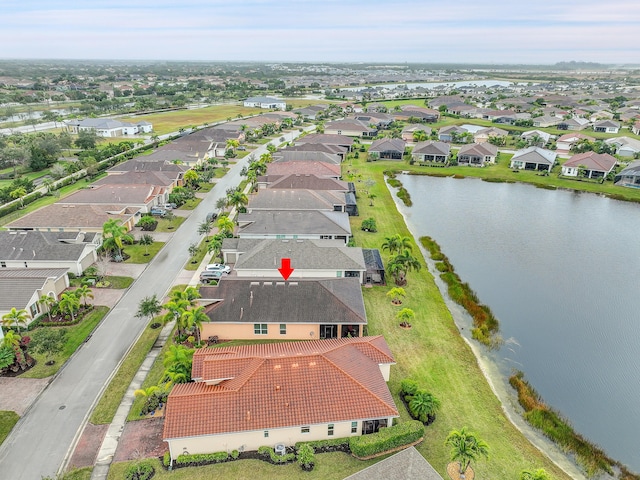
x=17, y=394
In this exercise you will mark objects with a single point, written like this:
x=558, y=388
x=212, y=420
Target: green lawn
x=191, y=204
x=111, y=398
x=7, y=421
x=194, y=262
x=76, y=334
x=433, y=352
x=335, y=465
x=165, y=225
x=119, y=282
x=142, y=253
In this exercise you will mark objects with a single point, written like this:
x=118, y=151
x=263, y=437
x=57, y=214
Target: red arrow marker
x=286, y=270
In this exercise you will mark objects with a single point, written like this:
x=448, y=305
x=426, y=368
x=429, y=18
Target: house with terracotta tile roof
x=589, y=165
x=244, y=397
x=305, y=309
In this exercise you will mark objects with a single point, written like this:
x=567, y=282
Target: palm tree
x=83, y=293
x=15, y=318
x=177, y=363
x=424, y=405
x=539, y=474
x=114, y=235
x=19, y=192
x=406, y=315
x=225, y=225
x=395, y=243
x=466, y=447
x=190, y=177
x=402, y=264
x=238, y=199
x=11, y=340
x=69, y=303
x=49, y=303
x=147, y=392
x=420, y=136
x=193, y=319
x=396, y=294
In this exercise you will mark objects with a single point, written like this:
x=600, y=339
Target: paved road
x=40, y=442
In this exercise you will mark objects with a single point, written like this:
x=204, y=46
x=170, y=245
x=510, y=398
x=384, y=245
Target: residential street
x=42, y=439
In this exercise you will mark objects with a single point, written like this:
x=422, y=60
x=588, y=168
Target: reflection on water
x=560, y=271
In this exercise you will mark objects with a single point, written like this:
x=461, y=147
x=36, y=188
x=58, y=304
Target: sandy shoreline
x=498, y=383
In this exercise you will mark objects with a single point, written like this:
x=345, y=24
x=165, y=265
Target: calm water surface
x=561, y=271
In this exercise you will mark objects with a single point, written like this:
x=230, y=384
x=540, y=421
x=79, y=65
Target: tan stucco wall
x=247, y=441
x=244, y=331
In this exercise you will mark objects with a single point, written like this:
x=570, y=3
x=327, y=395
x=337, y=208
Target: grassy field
x=191, y=204
x=433, y=353
x=167, y=122
x=142, y=253
x=328, y=465
x=76, y=334
x=7, y=422
x=110, y=400
x=195, y=261
x=165, y=225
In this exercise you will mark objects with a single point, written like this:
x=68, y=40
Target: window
x=283, y=329
x=354, y=427
x=280, y=236
x=325, y=237
x=330, y=430
x=305, y=429
x=260, y=328
x=34, y=310
x=266, y=434
x=338, y=274
x=3, y=264
x=25, y=265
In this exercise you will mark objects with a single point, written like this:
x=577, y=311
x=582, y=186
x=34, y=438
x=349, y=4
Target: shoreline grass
x=486, y=326
x=593, y=459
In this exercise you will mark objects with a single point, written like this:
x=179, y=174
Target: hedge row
x=322, y=445
x=200, y=458
x=276, y=458
x=387, y=439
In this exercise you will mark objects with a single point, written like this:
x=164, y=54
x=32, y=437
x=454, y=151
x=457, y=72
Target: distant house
x=350, y=127
x=409, y=130
x=387, y=149
x=326, y=139
x=477, y=154
x=379, y=120
x=430, y=151
x=257, y=258
x=311, y=112
x=107, y=127
x=140, y=197
x=568, y=140
x=545, y=121
x=307, y=182
x=22, y=288
x=482, y=136
x=589, y=165
x=310, y=224
x=625, y=146
x=533, y=158
x=74, y=251
x=329, y=151
x=630, y=176
x=541, y=138
x=500, y=116
x=575, y=123
x=606, y=126
x=446, y=134
x=636, y=128
x=416, y=113
x=266, y=102
x=300, y=309
x=243, y=397
x=317, y=168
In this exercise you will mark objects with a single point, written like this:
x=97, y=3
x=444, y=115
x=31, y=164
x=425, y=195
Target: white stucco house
x=270, y=103
x=108, y=127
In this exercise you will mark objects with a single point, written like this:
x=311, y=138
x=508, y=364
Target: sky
x=425, y=31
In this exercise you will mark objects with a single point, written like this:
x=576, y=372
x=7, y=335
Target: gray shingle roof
x=303, y=301
x=304, y=254
x=79, y=217
x=313, y=222
x=387, y=144
x=33, y=245
x=407, y=464
x=432, y=148
x=296, y=199
x=535, y=155
x=17, y=285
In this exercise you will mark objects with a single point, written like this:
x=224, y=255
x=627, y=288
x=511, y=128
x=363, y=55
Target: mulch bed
x=453, y=470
